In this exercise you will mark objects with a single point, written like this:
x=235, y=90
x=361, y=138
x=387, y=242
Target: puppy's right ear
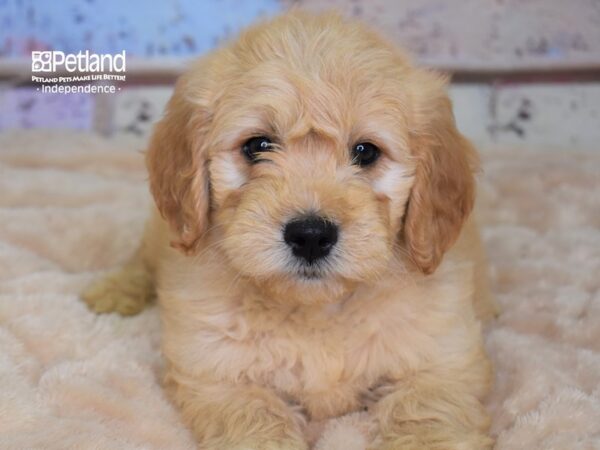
x=176, y=162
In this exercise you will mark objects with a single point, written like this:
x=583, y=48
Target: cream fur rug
x=72, y=206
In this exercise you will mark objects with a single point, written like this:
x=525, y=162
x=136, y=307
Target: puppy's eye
x=254, y=146
x=364, y=154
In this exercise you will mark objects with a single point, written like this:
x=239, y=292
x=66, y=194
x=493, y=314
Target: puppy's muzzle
x=310, y=238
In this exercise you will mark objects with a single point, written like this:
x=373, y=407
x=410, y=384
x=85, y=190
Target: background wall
x=525, y=71
x=145, y=29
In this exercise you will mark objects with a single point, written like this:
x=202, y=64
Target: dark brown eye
x=253, y=147
x=364, y=154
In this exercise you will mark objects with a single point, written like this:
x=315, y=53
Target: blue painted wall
x=143, y=28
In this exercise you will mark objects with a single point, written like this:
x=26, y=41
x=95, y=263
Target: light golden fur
x=255, y=351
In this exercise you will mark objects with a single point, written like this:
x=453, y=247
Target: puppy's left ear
x=443, y=194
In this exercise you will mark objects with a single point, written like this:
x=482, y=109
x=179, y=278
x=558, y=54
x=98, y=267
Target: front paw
x=269, y=444
x=435, y=439
x=126, y=292
x=270, y=436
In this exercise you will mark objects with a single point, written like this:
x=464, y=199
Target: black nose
x=310, y=237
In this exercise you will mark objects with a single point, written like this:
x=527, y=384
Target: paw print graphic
x=41, y=61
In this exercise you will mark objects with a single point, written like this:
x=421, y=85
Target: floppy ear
x=176, y=162
x=443, y=194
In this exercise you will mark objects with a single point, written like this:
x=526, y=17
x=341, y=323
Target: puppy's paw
x=435, y=440
x=126, y=292
x=287, y=444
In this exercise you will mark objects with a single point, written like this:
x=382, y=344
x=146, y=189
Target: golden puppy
x=309, y=184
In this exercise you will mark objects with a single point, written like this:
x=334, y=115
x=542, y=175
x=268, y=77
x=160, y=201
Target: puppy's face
x=315, y=157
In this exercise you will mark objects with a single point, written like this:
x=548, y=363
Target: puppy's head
x=314, y=157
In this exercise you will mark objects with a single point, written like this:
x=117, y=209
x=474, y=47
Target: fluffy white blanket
x=72, y=206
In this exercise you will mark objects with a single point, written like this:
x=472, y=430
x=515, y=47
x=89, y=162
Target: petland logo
x=53, y=61
x=55, y=70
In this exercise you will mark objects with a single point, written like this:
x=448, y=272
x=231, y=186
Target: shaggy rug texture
x=72, y=207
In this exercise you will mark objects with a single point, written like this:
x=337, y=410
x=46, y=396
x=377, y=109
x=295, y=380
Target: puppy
x=311, y=249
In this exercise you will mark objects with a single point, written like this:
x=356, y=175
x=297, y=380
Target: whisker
x=197, y=257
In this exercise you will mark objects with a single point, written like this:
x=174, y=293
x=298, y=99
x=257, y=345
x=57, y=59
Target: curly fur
x=254, y=351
